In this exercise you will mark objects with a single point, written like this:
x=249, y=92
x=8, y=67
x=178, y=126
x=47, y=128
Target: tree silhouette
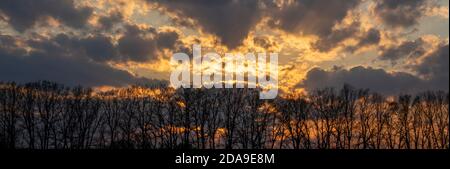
x=47, y=115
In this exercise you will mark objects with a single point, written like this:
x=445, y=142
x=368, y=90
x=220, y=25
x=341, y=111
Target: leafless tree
x=47, y=115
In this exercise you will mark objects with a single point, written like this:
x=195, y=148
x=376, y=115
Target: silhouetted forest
x=46, y=115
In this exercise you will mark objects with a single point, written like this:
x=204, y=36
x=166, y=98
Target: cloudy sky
x=389, y=46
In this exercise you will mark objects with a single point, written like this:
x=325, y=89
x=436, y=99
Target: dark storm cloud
x=142, y=44
x=9, y=45
x=316, y=17
x=371, y=37
x=167, y=40
x=407, y=49
x=230, y=21
x=96, y=47
x=435, y=67
x=107, y=22
x=17, y=64
x=137, y=44
x=74, y=60
x=23, y=14
x=377, y=80
x=99, y=48
x=400, y=13
x=431, y=74
x=353, y=31
x=335, y=37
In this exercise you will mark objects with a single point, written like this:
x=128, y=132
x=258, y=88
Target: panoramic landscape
x=120, y=74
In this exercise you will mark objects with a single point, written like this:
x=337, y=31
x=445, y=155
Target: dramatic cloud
x=371, y=37
x=107, y=22
x=407, y=49
x=435, y=67
x=136, y=45
x=315, y=17
x=20, y=65
x=231, y=21
x=167, y=40
x=402, y=13
x=352, y=31
x=111, y=42
x=23, y=14
x=98, y=47
x=377, y=80
x=336, y=36
x=142, y=44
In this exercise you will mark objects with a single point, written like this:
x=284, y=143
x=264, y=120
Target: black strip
x=283, y=158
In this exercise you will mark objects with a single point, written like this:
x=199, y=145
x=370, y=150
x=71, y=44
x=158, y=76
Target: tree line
x=47, y=115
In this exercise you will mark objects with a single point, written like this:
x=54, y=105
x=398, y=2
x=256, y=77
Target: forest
x=47, y=115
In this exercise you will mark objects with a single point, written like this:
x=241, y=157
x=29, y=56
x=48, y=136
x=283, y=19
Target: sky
x=387, y=46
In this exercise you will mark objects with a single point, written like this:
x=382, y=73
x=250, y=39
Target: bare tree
x=46, y=115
